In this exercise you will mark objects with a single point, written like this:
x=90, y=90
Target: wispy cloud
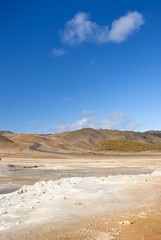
x=57, y=52
x=92, y=61
x=34, y=124
x=81, y=29
x=68, y=99
x=90, y=113
x=116, y=120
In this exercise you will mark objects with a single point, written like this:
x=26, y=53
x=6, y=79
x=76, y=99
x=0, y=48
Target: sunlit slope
x=7, y=145
x=83, y=141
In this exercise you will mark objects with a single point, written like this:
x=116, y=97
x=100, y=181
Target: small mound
x=28, y=138
x=8, y=146
x=8, y=134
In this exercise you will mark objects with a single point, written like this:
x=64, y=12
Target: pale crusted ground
x=124, y=207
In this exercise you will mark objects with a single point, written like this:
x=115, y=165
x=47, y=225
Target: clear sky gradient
x=72, y=64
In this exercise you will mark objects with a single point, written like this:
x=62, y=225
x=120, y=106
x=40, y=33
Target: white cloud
x=125, y=25
x=57, y=52
x=90, y=113
x=116, y=120
x=81, y=29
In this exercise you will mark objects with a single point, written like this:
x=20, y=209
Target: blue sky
x=72, y=64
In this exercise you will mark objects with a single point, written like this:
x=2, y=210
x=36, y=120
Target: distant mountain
x=7, y=145
x=82, y=141
x=7, y=134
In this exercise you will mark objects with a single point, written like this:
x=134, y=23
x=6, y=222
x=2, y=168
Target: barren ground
x=109, y=197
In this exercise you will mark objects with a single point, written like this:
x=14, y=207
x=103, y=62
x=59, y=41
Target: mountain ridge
x=82, y=141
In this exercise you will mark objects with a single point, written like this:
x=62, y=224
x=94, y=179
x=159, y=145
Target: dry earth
x=124, y=207
x=72, y=193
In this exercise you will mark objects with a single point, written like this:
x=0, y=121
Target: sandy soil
x=135, y=224
x=129, y=226
x=122, y=206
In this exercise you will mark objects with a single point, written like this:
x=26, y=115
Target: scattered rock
x=126, y=222
x=18, y=222
x=78, y=203
x=20, y=191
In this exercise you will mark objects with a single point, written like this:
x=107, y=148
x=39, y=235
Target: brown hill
x=88, y=139
x=83, y=140
x=29, y=138
x=7, y=145
x=35, y=141
x=8, y=134
x=79, y=140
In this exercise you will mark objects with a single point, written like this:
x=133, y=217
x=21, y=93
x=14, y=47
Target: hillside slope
x=83, y=141
x=7, y=145
x=8, y=134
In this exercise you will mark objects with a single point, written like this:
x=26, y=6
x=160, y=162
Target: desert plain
x=59, y=187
